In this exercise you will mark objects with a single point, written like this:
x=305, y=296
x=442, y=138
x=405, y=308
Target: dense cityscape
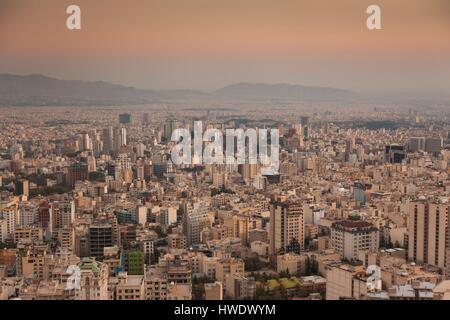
x=92, y=207
x=224, y=158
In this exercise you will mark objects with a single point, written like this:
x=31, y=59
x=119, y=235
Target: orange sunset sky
x=206, y=44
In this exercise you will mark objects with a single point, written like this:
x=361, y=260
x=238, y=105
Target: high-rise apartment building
x=120, y=138
x=9, y=214
x=433, y=144
x=248, y=170
x=239, y=287
x=195, y=220
x=349, y=237
x=169, y=127
x=229, y=267
x=108, y=139
x=167, y=216
x=63, y=213
x=416, y=144
x=100, y=236
x=44, y=219
x=27, y=213
x=146, y=119
x=427, y=231
x=66, y=237
x=77, y=172
x=304, y=121
x=394, y=153
x=286, y=233
x=22, y=188
x=124, y=118
x=3, y=230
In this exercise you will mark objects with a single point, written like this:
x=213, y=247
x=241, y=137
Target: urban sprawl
x=92, y=207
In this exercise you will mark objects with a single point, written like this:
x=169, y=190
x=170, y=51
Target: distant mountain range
x=40, y=90
x=284, y=91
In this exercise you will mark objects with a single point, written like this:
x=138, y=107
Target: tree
x=159, y=230
x=308, y=267
x=97, y=176
x=4, y=245
x=46, y=191
x=275, y=294
x=285, y=274
x=253, y=264
x=261, y=293
x=198, y=287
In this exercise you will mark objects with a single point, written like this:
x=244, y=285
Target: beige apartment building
x=156, y=288
x=240, y=224
x=345, y=282
x=46, y=290
x=214, y=291
x=195, y=220
x=34, y=263
x=348, y=238
x=177, y=241
x=428, y=232
x=93, y=280
x=130, y=287
x=293, y=263
x=10, y=216
x=179, y=291
x=175, y=268
x=3, y=230
x=159, y=288
x=208, y=266
x=240, y=287
x=286, y=226
x=112, y=259
x=30, y=233
x=230, y=266
x=66, y=237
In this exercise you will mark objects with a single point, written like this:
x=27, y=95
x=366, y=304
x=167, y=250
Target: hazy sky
x=206, y=44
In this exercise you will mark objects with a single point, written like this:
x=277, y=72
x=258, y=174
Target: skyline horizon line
x=357, y=92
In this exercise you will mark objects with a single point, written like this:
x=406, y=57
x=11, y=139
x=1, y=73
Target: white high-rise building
x=349, y=237
x=195, y=220
x=27, y=213
x=63, y=213
x=10, y=214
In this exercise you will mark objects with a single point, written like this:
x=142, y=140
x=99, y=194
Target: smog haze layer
x=206, y=45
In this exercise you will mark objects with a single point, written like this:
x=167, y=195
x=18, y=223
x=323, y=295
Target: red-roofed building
x=349, y=237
